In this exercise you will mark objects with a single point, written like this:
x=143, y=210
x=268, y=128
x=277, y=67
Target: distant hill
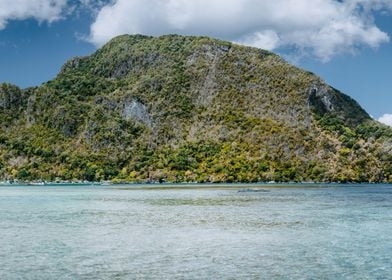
x=178, y=108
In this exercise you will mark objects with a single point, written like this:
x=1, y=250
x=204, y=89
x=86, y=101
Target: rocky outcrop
x=134, y=110
x=327, y=100
x=11, y=97
x=320, y=98
x=209, y=55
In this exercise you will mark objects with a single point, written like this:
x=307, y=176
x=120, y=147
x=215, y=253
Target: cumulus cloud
x=386, y=119
x=41, y=10
x=322, y=28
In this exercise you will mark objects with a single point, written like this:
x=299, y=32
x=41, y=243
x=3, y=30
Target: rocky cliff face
x=11, y=97
x=188, y=109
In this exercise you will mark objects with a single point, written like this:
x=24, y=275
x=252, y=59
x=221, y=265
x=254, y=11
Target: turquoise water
x=132, y=233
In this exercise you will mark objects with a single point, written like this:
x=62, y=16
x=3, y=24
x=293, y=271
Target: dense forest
x=188, y=109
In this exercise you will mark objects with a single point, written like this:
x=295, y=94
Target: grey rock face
x=210, y=55
x=135, y=110
x=326, y=100
x=71, y=64
x=321, y=98
x=10, y=97
x=134, y=63
x=63, y=121
x=29, y=113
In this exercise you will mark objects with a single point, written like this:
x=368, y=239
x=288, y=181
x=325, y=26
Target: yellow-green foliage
x=206, y=110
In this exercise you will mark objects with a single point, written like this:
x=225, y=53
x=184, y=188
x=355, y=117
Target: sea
x=301, y=231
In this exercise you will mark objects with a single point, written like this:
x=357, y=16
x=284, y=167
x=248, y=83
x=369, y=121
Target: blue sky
x=347, y=43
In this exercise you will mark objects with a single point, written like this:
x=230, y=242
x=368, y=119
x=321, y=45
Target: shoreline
x=192, y=185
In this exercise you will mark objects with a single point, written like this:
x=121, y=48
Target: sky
x=346, y=42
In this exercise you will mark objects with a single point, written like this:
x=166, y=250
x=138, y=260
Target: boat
x=36, y=183
x=253, y=190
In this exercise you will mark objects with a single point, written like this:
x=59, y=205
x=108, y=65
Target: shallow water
x=125, y=232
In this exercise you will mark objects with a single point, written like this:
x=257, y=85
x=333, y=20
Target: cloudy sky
x=346, y=42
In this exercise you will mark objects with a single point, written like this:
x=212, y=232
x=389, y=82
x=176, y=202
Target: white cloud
x=267, y=39
x=92, y=5
x=323, y=28
x=41, y=10
x=386, y=119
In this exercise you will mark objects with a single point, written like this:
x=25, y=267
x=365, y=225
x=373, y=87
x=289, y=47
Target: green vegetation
x=177, y=109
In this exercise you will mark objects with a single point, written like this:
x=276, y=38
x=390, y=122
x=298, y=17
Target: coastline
x=190, y=185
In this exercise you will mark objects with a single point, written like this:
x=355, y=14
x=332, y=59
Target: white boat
x=36, y=183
